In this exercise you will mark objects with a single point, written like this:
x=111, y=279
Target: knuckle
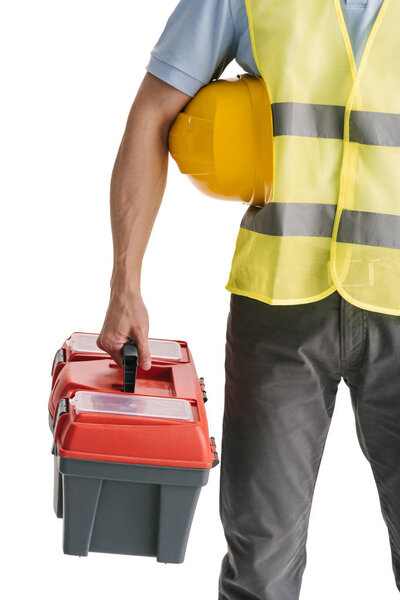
x=110, y=344
x=139, y=336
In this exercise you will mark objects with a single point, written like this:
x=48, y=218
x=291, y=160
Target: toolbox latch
x=203, y=389
x=213, y=450
x=62, y=409
x=60, y=357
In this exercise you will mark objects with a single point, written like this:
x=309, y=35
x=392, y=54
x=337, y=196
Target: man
x=315, y=279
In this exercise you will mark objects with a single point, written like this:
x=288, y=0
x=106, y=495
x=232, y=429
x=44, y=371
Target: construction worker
x=315, y=289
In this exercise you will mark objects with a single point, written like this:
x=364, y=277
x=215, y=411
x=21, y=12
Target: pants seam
x=342, y=332
x=363, y=343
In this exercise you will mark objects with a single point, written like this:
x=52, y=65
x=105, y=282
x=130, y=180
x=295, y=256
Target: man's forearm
x=137, y=187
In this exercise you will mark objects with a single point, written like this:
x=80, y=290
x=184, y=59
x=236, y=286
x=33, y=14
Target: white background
x=69, y=75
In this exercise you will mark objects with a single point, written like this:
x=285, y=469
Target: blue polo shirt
x=201, y=37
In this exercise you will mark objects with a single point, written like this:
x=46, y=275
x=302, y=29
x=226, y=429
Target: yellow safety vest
x=333, y=221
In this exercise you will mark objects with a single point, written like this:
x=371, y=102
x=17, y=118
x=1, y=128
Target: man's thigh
x=282, y=371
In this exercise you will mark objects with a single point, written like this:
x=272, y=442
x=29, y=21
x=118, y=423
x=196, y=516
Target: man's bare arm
x=137, y=187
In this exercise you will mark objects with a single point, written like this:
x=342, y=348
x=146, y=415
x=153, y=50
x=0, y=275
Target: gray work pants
x=283, y=366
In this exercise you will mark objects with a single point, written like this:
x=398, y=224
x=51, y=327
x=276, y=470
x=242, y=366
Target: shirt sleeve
x=198, y=41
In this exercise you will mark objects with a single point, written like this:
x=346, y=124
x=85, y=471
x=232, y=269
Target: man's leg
x=375, y=391
x=282, y=371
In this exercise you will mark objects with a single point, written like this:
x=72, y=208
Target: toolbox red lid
x=163, y=423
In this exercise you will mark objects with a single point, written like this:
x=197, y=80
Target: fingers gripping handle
x=130, y=362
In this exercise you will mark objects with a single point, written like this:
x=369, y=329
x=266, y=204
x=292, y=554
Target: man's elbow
x=158, y=103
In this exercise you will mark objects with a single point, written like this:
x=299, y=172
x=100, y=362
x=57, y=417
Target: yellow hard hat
x=223, y=140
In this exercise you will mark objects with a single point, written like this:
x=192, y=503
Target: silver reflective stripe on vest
x=290, y=218
x=308, y=120
x=369, y=229
x=308, y=219
x=327, y=121
x=375, y=128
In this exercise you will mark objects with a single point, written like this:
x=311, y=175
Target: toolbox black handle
x=130, y=362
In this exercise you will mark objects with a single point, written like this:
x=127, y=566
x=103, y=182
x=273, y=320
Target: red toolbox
x=131, y=448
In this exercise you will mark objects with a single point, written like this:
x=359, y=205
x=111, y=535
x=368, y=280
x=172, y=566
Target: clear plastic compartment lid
x=86, y=342
x=133, y=405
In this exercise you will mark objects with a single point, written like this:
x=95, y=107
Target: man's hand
x=126, y=320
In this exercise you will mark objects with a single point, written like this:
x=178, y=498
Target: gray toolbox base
x=120, y=508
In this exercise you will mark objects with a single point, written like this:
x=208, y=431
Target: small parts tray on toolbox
x=83, y=346
x=132, y=405
x=86, y=343
x=128, y=438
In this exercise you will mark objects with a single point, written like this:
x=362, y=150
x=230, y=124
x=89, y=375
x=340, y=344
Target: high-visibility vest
x=333, y=221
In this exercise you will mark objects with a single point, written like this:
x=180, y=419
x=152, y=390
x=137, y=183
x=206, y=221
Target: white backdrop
x=70, y=72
